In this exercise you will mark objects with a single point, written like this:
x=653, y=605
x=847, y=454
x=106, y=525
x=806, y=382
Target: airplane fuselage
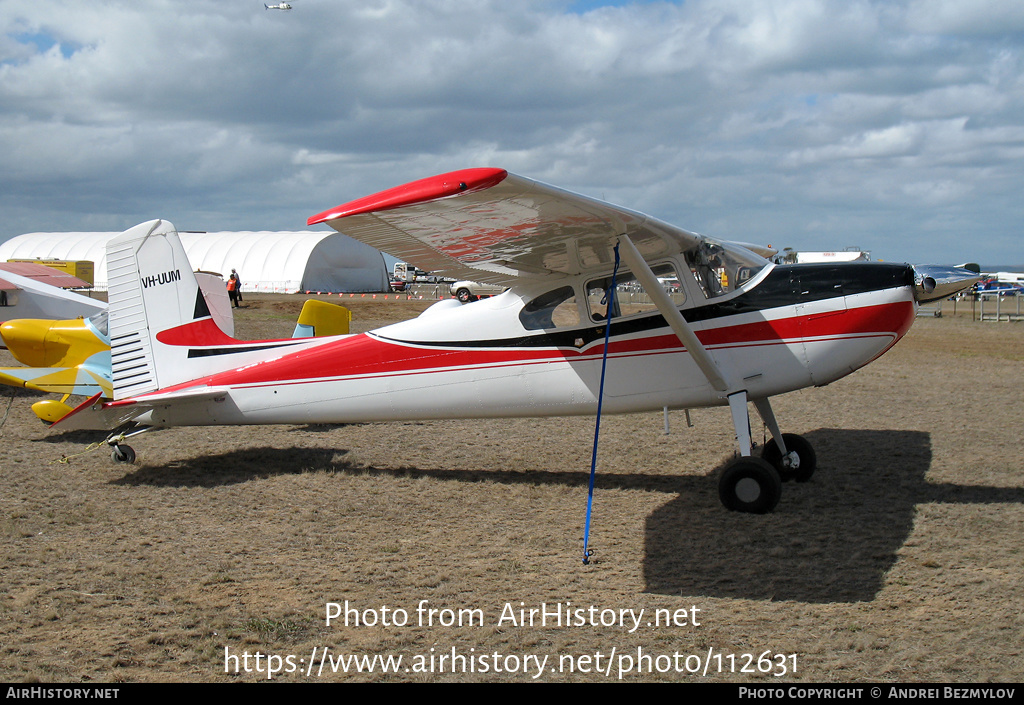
x=795, y=326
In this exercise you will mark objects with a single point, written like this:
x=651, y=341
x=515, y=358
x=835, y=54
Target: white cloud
x=800, y=119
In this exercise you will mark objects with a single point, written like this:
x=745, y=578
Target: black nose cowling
x=933, y=282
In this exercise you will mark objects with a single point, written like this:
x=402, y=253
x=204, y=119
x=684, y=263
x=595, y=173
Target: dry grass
x=900, y=561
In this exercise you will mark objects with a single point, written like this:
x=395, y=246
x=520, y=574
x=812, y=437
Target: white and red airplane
x=732, y=328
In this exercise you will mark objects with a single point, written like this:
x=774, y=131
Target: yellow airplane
x=67, y=357
x=73, y=357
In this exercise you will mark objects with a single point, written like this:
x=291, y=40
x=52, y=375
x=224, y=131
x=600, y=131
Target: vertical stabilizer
x=151, y=290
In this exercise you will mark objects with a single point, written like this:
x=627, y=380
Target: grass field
x=900, y=561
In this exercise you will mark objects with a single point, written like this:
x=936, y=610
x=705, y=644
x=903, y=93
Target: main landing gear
x=754, y=485
x=798, y=463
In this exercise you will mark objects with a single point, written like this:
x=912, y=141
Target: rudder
x=151, y=289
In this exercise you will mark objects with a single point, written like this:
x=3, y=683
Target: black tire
x=750, y=485
x=464, y=295
x=123, y=454
x=800, y=468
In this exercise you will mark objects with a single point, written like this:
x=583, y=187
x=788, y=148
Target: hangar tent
x=284, y=262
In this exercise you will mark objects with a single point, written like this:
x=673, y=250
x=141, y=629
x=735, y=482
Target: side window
x=555, y=309
x=630, y=296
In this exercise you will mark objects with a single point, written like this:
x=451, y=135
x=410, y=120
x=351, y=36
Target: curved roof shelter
x=283, y=262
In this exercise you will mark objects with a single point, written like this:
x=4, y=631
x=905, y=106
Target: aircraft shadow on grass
x=831, y=540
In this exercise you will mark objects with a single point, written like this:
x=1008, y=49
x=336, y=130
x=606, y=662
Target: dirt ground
x=220, y=552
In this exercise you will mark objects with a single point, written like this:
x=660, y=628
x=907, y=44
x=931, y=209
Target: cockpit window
x=630, y=296
x=720, y=270
x=555, y=309
x=99, y=320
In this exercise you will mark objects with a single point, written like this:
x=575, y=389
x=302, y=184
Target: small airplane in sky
x=585, y=295
x=279, y=6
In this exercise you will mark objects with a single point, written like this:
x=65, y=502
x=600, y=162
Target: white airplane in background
x=31, y=298
x=279, y=6
x=737, y=329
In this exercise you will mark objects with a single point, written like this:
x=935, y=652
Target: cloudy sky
x=896, y=126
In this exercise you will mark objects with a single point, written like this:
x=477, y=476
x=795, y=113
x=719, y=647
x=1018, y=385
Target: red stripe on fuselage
x=894, y=318
x=366, y=355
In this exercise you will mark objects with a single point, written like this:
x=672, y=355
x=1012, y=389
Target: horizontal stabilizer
x=320, y=319
x=95, y=415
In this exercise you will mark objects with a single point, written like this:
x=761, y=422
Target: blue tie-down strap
x=587, y=551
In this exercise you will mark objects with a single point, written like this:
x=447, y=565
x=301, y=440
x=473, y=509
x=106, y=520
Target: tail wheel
x=750, y=485
x=123, y=454
x=799, y=462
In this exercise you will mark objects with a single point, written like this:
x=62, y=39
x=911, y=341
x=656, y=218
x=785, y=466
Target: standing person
x=238, y=284
x=233, y=289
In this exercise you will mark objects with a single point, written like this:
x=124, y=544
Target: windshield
x=720, y=269
x=99, y=322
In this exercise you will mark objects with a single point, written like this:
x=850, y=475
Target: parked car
x=399, y=285
x=1002, y=288
x=466, y=291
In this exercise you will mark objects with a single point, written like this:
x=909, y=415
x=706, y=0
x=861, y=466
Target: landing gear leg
x=789, y=453
x=741, y=420
x=748, y=484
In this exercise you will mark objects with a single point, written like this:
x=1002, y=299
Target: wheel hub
x=748, y=489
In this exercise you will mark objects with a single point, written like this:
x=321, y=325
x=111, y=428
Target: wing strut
x=672, y=316
x=736, y=393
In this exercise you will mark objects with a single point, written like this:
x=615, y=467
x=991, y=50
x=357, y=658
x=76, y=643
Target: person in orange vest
x=233, y=287
x=238, y=284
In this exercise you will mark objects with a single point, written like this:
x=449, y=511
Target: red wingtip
x=430, y=189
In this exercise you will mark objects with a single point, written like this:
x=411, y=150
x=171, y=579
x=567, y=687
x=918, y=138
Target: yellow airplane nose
x=26, y=339
x=42, y=343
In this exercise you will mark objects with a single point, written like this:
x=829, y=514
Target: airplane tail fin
x=156, y=309
x=321, y=319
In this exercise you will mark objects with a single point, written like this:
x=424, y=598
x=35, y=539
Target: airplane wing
x=43, y=275
x=39, y=300
x=491, y=226
x=62, y=380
